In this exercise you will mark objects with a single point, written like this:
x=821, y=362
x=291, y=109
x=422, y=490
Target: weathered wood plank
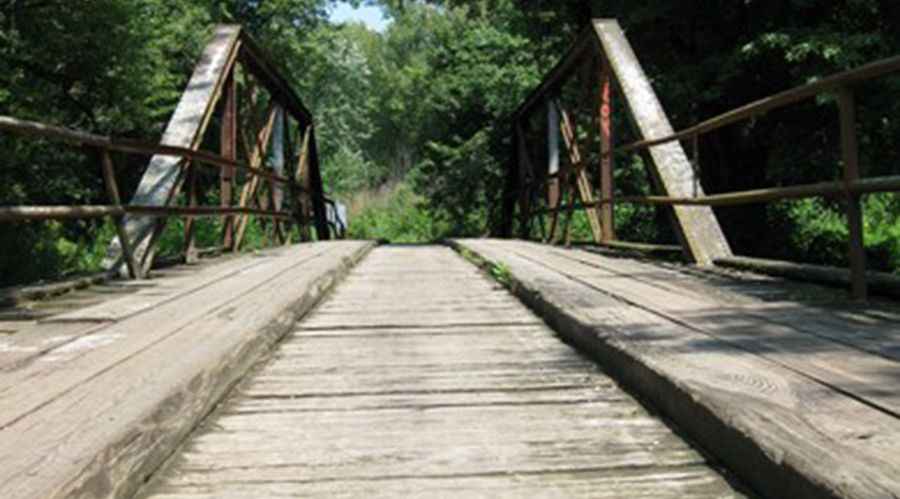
x=61, y=329
x=882, y=283
x=828, y=351
x=689, y=482
x=780, y=425
x=94, y=422
x=353, y=404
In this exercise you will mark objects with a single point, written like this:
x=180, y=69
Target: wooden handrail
x=848, y=78
x=25, y=213
x=838, y=81
x=762, y=106
x=23, y=127
x=838, y=188
x=850, y=188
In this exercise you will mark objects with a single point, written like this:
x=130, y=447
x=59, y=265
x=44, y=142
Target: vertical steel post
x=524, y=180
x=112, y=190
x=229, y=150
x=276, y=192
x=302, y=184
x=512, y=187
x=190, y=242
x=695, y=161
x=553, y=154
x=556, y=177
x=607, y=221
x=850, y=156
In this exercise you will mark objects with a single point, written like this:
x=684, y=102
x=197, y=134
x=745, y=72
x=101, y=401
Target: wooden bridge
x=477, y=368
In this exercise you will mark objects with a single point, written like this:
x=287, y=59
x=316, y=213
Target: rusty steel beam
x=228, y=146
x=316, y=192
x=186, y=128
x=259, y=64
x=112, y=191
x=260, y=148
x=190, y=240
x=697, y=226
x=604, y=120
x=576, y=161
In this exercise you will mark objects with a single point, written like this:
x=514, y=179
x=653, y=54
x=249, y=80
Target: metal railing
x=117, y=209
x=851, y=187
x=213, y=86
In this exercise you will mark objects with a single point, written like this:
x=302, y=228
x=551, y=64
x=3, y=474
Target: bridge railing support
x=236, y=71
x=621, y=70
x=603, y=59
x=850, y=160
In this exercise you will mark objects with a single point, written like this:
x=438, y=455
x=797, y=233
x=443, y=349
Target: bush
x=44, y=250
x=398, y=217
x=818, y=231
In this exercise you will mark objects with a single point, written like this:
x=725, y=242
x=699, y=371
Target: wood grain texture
x=129, y=298
x=798, y=407
x=823, y=348
x=418, y=377
x=96, y=416
x=699, y=228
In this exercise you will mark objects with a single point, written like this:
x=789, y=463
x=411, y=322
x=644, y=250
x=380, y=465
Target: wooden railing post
x=112, y=190
x=850, y=157
x=607, y=221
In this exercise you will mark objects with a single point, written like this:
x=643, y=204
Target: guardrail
x=216, y=86
x=851, y=187
x=117, y=209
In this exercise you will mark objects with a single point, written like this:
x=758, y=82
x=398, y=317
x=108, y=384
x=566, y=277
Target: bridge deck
x=797, y=390
x=93, y=399
x=420, y=377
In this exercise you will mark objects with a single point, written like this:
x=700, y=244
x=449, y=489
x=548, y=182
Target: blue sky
x=370, y=16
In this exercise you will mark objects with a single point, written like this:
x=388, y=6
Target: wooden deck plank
x=766, y=329
x=134, y=297
x=95, y=420
x=61, y=369
x=690, y=482
x=763, y=398
x=400, y=387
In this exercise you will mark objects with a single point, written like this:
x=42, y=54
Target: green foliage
x=501, y=274
x=114, y=67
x=31, y=252
x=346, y=170
x=700, y=69
x=424, y=105
x=402, y=217
x=818, y=231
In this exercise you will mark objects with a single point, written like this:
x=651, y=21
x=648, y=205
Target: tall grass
x=393, y=213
